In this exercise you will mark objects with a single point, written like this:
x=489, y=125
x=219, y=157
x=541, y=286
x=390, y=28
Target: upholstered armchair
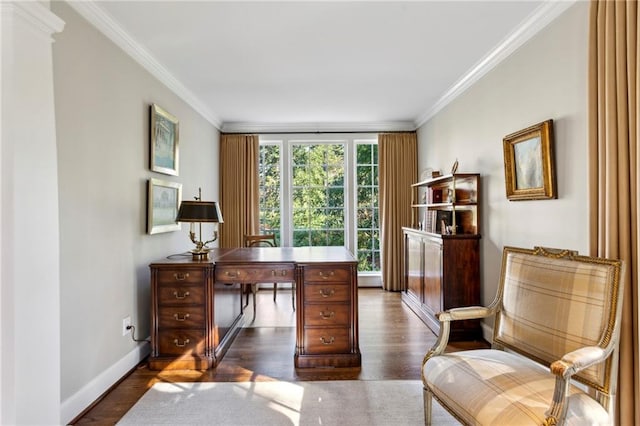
x=553, y=359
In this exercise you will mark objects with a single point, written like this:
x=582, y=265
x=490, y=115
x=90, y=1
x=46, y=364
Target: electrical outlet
x=126, y=323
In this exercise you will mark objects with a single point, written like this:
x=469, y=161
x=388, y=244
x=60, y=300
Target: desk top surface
x=299, y=255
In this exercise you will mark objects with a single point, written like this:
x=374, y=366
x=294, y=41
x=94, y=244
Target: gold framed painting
x=529, y=169
x=163, y=202
x=165, y=138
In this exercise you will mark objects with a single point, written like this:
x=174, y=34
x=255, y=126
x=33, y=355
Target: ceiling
x=319, y=66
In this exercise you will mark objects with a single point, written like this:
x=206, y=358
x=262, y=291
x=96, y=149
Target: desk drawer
x=182, y=276
x=326, y=274
x=181, y=317
x=180, y=295
x=326, y=315
x=326, y=340
x=181, y=342
x=255, y=274
x=326, y=293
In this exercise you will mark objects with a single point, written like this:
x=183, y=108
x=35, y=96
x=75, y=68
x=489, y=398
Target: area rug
x=340, y=402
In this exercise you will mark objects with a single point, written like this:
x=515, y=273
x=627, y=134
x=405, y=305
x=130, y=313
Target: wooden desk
x=196, y=306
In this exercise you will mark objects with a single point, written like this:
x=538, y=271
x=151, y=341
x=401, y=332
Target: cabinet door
x=414, y=267
x=433, y=276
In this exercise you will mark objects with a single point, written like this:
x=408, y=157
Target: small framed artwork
x=162, y=206
x=165, y=137
x=529, y=169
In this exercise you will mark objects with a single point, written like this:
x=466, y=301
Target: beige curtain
x=397, y=160
x=614, y=163
x=239, y=200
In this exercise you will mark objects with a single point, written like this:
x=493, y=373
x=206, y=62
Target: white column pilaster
x=29, y=229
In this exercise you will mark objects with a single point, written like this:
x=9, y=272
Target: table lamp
x=200, y=212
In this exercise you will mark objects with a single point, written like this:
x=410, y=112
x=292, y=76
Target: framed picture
x=528, y=163
x=162, y=206
x=165, y=137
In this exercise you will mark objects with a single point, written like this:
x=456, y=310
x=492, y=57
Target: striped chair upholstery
x=557, y=321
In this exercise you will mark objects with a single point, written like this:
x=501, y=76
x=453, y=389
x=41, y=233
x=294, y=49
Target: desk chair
x=265, y=240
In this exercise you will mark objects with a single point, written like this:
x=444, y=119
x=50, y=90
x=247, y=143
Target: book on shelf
x=429, y=222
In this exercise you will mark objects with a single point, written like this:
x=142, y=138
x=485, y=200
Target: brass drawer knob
x=232, y=274
x=180, y=344
x=327, y=292
x=180, y=296
x=328, y=341
x=282, y=273
x=181, y=276
x=181, y=317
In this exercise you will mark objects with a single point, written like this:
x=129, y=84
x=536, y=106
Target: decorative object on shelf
x=200, y=212
x=529, y=164
x=165, y=136
x=163, y=201
x=428, y=173
x=444, y=219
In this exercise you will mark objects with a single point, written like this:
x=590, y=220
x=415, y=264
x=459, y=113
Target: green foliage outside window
x=269, y=182
x=318, y=197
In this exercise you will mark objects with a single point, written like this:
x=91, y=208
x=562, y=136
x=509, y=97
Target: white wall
x=102, y=99
x=545, y=78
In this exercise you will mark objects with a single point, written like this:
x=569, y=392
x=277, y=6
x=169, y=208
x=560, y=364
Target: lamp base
x=200, y=255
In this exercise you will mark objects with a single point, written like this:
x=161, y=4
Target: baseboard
x=78, y=402
x=369, y=281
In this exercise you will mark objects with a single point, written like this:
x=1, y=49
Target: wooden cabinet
x=442, y=272
x=327, y=317
x=442, y=251
x=188, y=329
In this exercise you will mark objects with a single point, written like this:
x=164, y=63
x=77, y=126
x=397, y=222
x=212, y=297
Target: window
x=318, y=194
x=317, y=191
x=368, y=224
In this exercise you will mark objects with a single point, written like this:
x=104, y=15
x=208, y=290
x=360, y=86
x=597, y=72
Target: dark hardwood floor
x=393, y=342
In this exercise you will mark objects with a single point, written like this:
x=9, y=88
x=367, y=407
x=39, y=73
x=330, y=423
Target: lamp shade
x=199, y=211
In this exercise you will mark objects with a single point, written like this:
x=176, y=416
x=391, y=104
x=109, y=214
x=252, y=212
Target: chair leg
x=275, y=291
x=428, y=402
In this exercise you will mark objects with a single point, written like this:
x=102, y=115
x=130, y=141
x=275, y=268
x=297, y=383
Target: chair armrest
x=455, y=314
x=466, y=313
x=578, y=360
x=570, y=364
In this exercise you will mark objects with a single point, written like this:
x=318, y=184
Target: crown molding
x=533, y=24
x=375, y=127
x=112, y=30
x=35, y=14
